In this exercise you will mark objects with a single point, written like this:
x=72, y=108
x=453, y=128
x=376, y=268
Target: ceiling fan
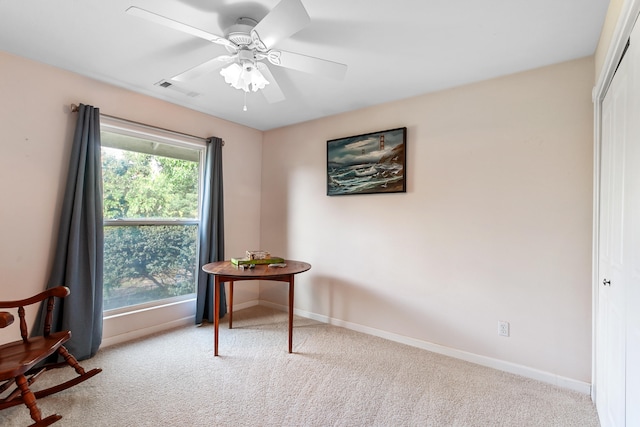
x=249, y=43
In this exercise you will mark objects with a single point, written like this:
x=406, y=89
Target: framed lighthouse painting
x=367, y=164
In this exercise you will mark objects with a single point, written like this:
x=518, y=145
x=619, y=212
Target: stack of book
x=256, y=257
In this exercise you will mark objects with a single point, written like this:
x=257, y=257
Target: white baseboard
x=247, y=305
x=524, y=371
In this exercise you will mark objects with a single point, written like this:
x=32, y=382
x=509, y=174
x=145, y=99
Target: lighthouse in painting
x=382, y=142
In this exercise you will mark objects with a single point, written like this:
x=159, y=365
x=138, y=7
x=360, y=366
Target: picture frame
x=370, y=163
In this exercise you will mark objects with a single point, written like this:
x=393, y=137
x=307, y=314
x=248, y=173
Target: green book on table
x=247, y=261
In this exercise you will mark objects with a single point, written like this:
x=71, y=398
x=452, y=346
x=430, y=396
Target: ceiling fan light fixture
x=246, y=77
x=257, y=79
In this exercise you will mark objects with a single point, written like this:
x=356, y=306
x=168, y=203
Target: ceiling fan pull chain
x=245, y=102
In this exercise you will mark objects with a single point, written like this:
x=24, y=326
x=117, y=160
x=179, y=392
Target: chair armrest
x=6, y=319
x=59, y=291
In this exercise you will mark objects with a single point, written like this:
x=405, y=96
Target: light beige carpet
x=335, y=377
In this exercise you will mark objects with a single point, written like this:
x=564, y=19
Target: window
x=151, y=185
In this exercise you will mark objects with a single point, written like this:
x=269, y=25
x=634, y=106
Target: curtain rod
x=75, y=108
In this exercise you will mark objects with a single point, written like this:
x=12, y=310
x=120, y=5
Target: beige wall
x=495, y=225
x=35, y=135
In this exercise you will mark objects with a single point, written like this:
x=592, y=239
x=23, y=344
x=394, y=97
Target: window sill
x=135, y=322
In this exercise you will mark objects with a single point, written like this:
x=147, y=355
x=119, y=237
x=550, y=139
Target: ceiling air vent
x=168, y=85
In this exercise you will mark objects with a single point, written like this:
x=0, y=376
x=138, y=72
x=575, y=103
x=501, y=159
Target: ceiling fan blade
x=159, y=19
x=272, y=92
x=284, y=20
x=204, y=68
x=307, y=64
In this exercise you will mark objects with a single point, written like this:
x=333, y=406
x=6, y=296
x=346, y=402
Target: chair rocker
x=18, y=359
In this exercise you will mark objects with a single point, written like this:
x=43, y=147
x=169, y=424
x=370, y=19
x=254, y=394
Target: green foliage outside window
x=138, y=185
x=146, y=261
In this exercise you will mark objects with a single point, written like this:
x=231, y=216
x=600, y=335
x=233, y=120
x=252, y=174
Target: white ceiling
x=394, y=49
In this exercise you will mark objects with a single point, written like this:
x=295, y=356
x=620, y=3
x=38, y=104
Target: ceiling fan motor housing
x=240, y=32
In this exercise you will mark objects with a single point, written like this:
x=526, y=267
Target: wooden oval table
x=225, y=271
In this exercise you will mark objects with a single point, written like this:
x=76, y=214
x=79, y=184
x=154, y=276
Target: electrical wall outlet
x=503, y=328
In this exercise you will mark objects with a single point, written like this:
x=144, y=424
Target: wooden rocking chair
x=18, y=359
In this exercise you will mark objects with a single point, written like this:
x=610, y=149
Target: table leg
x=230, y=310
x=291, y=314
x=216, y=313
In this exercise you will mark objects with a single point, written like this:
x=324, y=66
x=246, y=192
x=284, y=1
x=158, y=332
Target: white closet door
x=618, y=317
x=611, y=331
x=632, y=236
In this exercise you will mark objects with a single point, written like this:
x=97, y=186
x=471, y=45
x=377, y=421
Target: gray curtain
x=78, y=261
x=211, y=232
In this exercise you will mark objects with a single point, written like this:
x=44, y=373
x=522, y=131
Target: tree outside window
x=151, y=194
